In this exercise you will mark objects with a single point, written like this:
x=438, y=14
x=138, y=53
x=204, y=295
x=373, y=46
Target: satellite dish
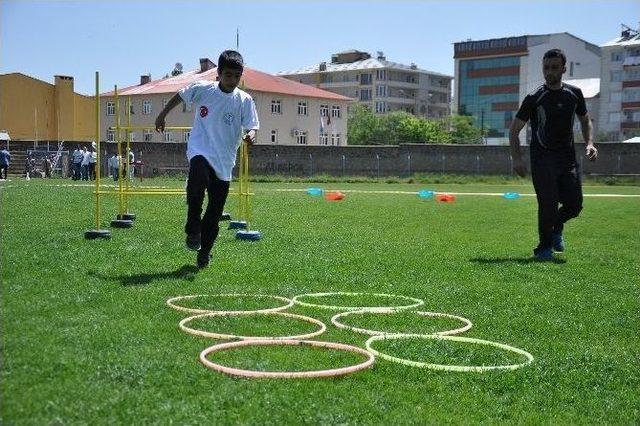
x=178, y=66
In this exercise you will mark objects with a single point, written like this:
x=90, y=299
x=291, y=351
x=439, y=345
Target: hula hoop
x=203, y=333
x=334, y=321
x=171, y=303
x=286, y=374
x=443, y=367
x=417, y=302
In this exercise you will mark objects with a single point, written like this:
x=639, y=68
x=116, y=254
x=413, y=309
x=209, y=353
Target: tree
x=463, y=131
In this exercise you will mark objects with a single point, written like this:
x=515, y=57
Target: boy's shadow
x=185, y=272
x=516, y=260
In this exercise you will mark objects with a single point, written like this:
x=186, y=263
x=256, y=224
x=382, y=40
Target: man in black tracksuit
x=555, y=172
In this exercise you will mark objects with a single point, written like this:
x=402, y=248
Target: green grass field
x=88, y=339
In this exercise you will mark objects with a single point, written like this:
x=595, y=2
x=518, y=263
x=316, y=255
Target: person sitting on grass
x=222, y=112
x=554, y=169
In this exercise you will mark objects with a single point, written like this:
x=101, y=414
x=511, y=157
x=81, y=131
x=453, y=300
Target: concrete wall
x=402, y=160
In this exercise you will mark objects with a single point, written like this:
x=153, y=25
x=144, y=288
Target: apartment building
x=290, y=113
x=381, y=85
x=493, y=76
x=620, y=87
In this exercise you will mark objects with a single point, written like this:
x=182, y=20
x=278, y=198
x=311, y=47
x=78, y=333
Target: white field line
x=353, y=191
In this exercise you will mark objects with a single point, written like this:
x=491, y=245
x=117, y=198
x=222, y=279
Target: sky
x=125, y=39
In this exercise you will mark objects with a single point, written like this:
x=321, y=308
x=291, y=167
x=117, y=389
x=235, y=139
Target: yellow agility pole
x=244, y=203
x=97, y=232
x=120, y=221
x=152, y=127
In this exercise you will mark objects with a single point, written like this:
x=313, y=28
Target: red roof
x=252, y=79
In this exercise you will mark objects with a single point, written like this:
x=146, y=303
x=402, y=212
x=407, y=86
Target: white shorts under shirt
x=218, y=123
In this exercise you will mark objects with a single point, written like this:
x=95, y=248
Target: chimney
x=381, y=56
x=144, y=79
x=413, y=66
x=206, y=64
x=323, y=66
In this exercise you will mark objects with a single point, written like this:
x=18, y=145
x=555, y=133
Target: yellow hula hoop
x=286, y=374
x=334, y=320
x=444, y=367
x=171, y=303
x=415, y=304
x=212, y=335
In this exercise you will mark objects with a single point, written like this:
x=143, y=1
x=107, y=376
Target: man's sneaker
x=543, y=254
x=193, y=242
x=558, y=243
x=202, y=260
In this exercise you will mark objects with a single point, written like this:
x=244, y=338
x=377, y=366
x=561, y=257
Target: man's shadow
x=185, y=272
x=516, y=260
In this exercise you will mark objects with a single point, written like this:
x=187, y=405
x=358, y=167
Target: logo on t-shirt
x=204, y=111
x=228, y=118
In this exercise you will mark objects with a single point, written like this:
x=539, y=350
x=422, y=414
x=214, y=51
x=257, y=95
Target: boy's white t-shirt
x=218, y=123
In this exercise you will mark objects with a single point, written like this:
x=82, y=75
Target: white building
x=381, y=85
x=494, y=76
x=620, y=87
x=290, y=113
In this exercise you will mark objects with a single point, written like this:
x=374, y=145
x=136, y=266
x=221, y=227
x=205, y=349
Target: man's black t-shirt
x=552, y=114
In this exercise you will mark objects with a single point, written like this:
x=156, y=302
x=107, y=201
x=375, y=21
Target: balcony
x=630, y=125
x=402, y=84
x=338, y=84
x=400, y=100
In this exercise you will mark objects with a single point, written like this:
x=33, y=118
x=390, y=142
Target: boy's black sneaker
x=193, y=242
x=203, y=260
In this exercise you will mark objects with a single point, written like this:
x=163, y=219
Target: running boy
x=222, y=112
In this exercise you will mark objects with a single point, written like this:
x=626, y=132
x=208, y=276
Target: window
x=381, y=91
x=324, y=138
x=335, y=139
x=615, y=96
x=631, y=96
x=614, y=117
x=132, y=136
x=111, y=135
x=186, y=107
x=381, y=74
x=571, y=69
x=164, y=102
x=111, y=108
x=324, y=110
x=274, y=136
x=365, y=79
x=365, y=94
x=147, y=135
x=185, y=135
x=381, y=107
x=146, y=107
x=302, y=108
x=276, y=107
x=616, y=76
x=636, y=116
x=168, y=136
x=301, y=139
x=616, y=56
x=335, y=111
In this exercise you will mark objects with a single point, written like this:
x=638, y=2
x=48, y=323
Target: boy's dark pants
x=555, y=180
x=201, y=177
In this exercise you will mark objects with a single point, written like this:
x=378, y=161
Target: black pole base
x=225, y=216
x=121, y=223
x=237, y=224
x=97, y=233
x=126, y=216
